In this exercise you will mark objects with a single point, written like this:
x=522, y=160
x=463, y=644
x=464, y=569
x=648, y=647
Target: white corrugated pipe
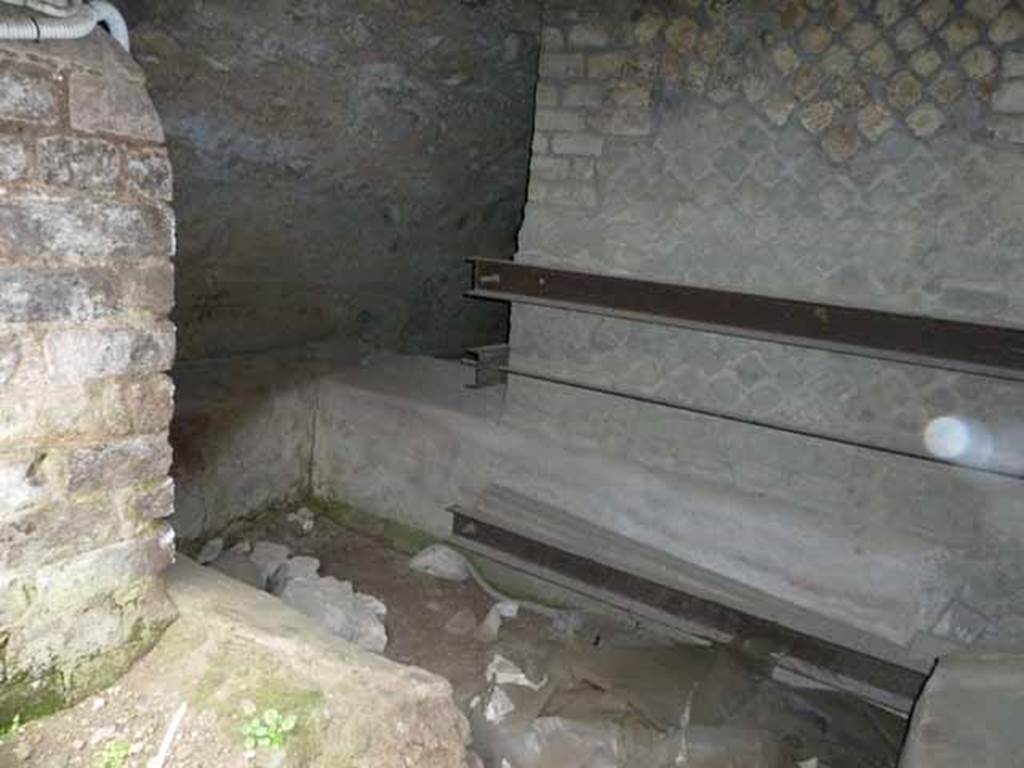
x=33, y=27
x=49, y=7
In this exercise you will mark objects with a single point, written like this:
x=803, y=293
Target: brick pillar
x=86, y=285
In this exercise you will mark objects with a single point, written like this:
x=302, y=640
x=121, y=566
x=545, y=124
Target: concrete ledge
x=404, y=438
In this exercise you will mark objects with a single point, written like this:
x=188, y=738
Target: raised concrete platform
x=403, y=438
x=970, y=714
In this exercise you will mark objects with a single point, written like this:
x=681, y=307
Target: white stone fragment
x=499, y=706
x=502, y=671
x=441, y=562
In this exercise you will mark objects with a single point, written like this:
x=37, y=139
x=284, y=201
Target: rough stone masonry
x=341, y=161
x=861, y=152
x=86, y=285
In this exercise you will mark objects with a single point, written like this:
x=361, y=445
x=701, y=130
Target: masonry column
x=86, y=285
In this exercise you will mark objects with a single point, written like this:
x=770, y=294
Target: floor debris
x=462, y=623
x=441, y=562
x=270, y=566
x=501, y=671
x=488, y=630
x=600, y=694
x=304, y=519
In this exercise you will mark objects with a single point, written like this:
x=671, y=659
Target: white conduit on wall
x=32, y=26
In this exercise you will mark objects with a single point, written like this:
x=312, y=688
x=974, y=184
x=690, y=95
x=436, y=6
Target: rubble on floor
x=665, y=707
x=551, y=688
x=616, y=698
x=269, y=566
x=242, y=681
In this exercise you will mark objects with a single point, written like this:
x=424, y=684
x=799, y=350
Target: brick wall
x=860, y=153
x=86, y=285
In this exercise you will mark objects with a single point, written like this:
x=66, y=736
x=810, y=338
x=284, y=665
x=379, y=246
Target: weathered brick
x=31, y=296
x=584, y=95
x=23, y=480
x=630, y=95
x=43, y=231
x=587, y=36
x=149, y=289
x=149, y=501
x=552, y=39
x=558, y=120
x=1007, y=128
x=540, y=144
x=1009, y=97
x=547, y=95
x=57, y=530
x=561, y=65
x=96, y=53
x=537, y=191
x=138, y=406
x=86, y=353
x=549, y=168
x=1008, y=28
x=100, y=408
x=583, y=168
x=86, y=164
x=10, y=356
x=149, y=174
x=648, y=27
x=115, y=464
x=102, y=571
x=577, y=144
x=576, y=194
x=84, y=294
x=1013, y=64
x=630, y=65
x=14, y=159
x=15, y=596
x=28, y=95
x=621, y=122
x=113, y=105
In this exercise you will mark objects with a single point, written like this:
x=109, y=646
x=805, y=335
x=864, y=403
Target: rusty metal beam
x=944, y=344
x=471, y=525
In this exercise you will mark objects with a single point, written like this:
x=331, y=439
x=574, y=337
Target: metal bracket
x=489, y=363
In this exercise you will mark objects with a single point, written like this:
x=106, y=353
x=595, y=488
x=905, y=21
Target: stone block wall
x=855, y=152
x=86, y=286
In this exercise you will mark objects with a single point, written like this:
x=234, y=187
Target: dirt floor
x=123, y=726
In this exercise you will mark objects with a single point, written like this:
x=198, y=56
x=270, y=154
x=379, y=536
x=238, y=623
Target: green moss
x=401, y=537
x=225, y=686
x=29, y=699
x=36, y=696
x=32, y=696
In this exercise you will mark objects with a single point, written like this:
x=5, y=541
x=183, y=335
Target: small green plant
x=114, y=754
x=10, y=730
x=269, y=730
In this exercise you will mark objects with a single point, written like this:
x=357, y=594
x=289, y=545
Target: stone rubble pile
x=335, y=604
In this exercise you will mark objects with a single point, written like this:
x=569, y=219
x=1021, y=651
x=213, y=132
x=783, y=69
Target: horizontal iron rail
x=1012, y=474
x=951, y=345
